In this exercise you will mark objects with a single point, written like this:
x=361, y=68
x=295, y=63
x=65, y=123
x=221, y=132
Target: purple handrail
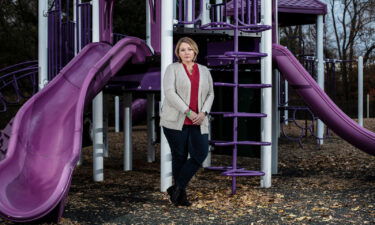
x=11, y=80
x=244, y=16
x=183, y=12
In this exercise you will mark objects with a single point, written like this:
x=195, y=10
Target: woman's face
x=186, y=53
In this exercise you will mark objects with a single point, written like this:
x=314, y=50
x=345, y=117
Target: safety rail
x=187, y=12
x=235, y=15
x=11, y=83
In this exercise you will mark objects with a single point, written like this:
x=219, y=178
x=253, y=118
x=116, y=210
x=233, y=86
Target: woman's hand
x=193, y=115
x=199, y=118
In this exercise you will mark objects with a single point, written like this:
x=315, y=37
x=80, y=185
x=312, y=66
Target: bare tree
x=352, y=22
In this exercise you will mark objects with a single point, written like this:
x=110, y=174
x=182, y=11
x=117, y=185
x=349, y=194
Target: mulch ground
x=331, y=185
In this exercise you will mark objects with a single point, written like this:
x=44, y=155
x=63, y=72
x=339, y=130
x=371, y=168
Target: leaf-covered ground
x=331, y=185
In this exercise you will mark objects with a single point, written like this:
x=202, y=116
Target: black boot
x=174, y=194
x=183, y=201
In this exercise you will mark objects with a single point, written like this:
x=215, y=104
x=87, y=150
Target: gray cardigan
x=176, y=85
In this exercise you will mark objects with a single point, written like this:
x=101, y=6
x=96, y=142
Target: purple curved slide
x=46, y=135
x=320, y=103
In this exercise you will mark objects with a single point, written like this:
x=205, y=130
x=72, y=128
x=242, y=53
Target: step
x=250, y=28
x=245, y=54
x=241, y=172
x=238, y=55
x=231, y=143
x=221, y=84
x=222, y=168
x=255, y=85
x=242, y=114
x=239, y=114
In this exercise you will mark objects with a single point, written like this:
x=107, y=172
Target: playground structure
x=45, y=136
x=292, y=111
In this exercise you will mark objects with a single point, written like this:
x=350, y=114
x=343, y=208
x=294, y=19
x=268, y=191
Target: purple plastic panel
x=148, y=81
x=302, y=6
x=106, y=10
x=45, y=143
x=320, y=103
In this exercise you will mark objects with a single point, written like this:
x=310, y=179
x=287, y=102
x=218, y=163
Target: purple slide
x=45, y=141
x=320, y=103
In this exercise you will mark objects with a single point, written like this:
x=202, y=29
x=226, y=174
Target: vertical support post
x=275, y=121
x=148, y=24
x=97, y=109
x=75, y=20
x=206, y=12
x=218, y=11
x=98, y=145
x=286, y=93
x=166, y=59
x=117, y=114
x=42, y=43
x=275, y=95
x=128, y=155
x=320, y=70
x=368, y=106
x=105, y=125
x=189, y=13
x=207, y=161
x=150, y=127
x=360, y=91
x=266, y=93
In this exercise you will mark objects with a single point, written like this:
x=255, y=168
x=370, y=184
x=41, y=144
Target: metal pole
x=360, y=91
x=75, y=26
x=206, y=12
x=207, y=161
x=286, y=93
x=148, y=24
x=166, y=59
x=266, y=93
x=320, y=70
x=275, y=100
x=150, y=127
x=43, y=43
x=97, y=109
x=275, y=121
x=218, y=11
x=368, y=106
x=128, y=155
x=105, y=124
x=189, y=13
x=117, y=114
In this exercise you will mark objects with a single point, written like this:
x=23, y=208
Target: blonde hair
x=190, y=42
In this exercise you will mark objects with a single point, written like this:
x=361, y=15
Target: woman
x=188, y=90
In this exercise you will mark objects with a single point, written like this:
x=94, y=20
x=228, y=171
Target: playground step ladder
x=245, y=20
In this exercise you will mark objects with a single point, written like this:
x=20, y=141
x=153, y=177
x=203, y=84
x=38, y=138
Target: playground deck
x=333, y=185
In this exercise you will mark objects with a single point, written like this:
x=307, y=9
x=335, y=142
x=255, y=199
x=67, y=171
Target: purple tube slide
x=46, y=135
x=320, y=103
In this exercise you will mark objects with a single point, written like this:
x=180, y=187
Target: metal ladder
x=245, y=18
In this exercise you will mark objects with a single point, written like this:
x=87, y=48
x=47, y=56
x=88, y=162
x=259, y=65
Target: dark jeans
x=189, y=140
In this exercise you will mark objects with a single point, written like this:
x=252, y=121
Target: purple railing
x=60, y=38
x=84, y=24
x=183, y=11
x=242, y=15
x=17, y=82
